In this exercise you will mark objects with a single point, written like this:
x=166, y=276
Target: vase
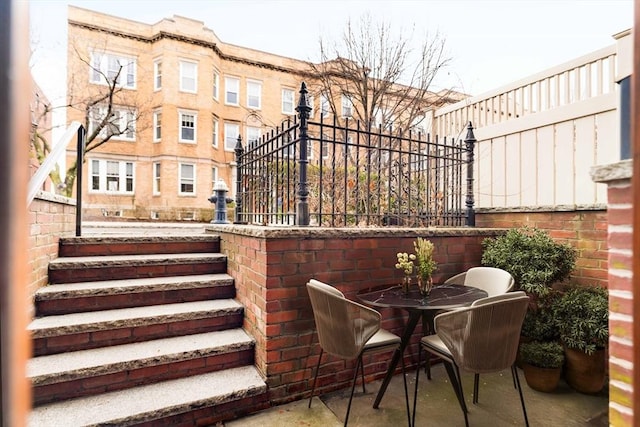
x=425, y=285
x=541, y=379
x=585, y=373
x=406, y=284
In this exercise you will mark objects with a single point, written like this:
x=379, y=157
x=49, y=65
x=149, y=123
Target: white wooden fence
x=538, y=137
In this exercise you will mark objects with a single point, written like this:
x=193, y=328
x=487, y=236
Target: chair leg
x=519, y=387
x=353, y=387
x=362, y=371
x=406, y=391
x=313, y=388
x=513, y=377
x=415, y=390
x=476, y=380
x=456, y=383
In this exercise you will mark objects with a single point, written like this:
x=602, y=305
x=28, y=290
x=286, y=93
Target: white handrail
x=47, y=166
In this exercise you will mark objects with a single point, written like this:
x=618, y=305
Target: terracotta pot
x=585, y=373
x=541, y=379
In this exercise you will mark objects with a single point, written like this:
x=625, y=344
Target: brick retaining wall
x=272, y=265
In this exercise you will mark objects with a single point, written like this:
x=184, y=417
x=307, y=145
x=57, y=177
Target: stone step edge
x=91, y=321
x=137, y=285
x=153, y=401
x=71, y=366
x=111, y=261
x=92, y=240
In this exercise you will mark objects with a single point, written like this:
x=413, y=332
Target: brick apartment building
x=185, y=97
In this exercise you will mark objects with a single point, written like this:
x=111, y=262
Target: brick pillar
x=621, y=320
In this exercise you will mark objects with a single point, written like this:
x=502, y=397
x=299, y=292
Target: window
x=231, y=132
x=216, y=85
x=188, y=76
x=157, y=75
x=347, y=106
x=119, y=68
x=188, y=127
x=187, y=185
x=214, y=137
x=325, y=108
x=110, y=176
x=287, y=101
x=324, y=147
x=156, y=179
x=254, y=94
x=121, y=124
x=253, y=134
x=232, y=90
x=214, y=177
x=311, y=103
x=157, y=126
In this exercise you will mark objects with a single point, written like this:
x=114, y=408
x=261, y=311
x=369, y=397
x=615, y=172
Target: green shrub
x=582, y=318
x=532, y=257
x=540, y=325
x=549, y=354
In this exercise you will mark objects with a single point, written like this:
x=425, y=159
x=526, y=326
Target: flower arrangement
x=422, y=260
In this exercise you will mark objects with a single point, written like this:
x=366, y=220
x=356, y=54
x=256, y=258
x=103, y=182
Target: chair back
x=484, y=337
x=344, y=326
x=494, y=281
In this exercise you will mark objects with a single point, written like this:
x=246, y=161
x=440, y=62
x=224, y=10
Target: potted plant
x=582, y=319
x=542, y=364
x=426, y=265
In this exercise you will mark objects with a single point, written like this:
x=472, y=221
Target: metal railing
x=338, y=173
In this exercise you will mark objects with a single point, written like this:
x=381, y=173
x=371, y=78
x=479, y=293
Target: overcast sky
x=491, y=42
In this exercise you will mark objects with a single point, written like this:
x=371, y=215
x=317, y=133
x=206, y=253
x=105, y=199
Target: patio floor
x=498, y=405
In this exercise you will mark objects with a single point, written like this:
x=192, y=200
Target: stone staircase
x=141, y=331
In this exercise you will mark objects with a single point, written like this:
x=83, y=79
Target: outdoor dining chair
x=494, y=281
x=482, y=338
x=346, y=330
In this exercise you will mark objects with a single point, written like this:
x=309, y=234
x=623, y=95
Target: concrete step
x=111, y=294
x=135, y=245
x=196, y=400
x=89, y=372
x=80, y=331
x=113, y=267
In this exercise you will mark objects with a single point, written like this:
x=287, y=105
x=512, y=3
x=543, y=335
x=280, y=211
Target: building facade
x=181, y=99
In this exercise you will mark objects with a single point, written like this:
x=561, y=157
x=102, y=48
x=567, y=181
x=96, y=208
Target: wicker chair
x=346, y=330
x=480, y=339
x=493, y=280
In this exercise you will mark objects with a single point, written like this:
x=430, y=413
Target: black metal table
x=443, y=297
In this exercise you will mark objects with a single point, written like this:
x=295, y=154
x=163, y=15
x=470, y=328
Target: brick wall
x=271, y=268
x=50, y=217
x=584, y=230
x=621, y=322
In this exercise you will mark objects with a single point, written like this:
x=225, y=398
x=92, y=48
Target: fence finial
x=303, y=109
x=470, y=142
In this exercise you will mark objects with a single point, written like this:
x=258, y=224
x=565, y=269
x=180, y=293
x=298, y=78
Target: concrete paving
x=499, y=405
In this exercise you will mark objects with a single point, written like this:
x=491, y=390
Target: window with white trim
x=156, y=178
x=105, y=66
x=288, y=101
x=111, y=176
x=188, y=121
x=325, y=108
x=187, y=179
x=214, y=136
x=214, y=177
x=231, y=90
x=157, y=126
x=120, y=125
x=254, y=94
x=347, y=106
x=231, y=132
x=216, y=85
x=253, y=134
x=188, y=76
x=157, y=75
x=311, y=103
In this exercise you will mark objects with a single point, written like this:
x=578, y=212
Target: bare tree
x=386, y=81
x=107, y=110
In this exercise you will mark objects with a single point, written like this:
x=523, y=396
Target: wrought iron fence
x=337, y=173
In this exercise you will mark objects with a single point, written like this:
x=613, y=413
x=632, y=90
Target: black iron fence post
x=302, y=208
x=81, y=134
x=239, y=151
x=470, y=142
